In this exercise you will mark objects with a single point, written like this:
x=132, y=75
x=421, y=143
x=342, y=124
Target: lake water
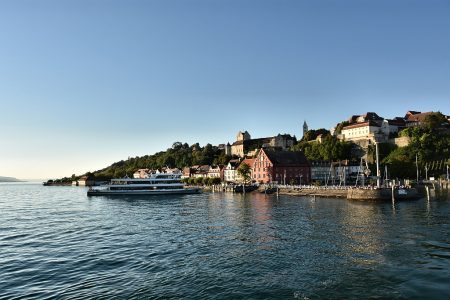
x=55, y=242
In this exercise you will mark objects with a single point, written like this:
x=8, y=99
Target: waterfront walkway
x=430, y=190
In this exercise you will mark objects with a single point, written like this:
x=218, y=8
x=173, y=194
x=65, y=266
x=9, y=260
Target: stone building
x=366, y=129
x=245, y=144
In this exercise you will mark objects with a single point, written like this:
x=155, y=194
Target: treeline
x=430, y=144
x=180, y=155
x=329, y=149
x=202, y=180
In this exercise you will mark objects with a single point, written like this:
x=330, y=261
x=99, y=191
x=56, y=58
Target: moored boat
x=156, y=184
x=244, y=189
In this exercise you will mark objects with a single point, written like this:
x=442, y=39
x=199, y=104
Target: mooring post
x=393, y=195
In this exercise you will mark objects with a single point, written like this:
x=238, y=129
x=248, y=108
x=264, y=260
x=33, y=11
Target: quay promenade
x=308, y=190
x=297, y=190
x=429, y=190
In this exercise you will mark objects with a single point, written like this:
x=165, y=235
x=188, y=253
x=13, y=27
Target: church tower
x=305, y=128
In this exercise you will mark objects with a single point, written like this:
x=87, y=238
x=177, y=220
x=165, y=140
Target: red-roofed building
x=282, y=167
x=415, y=118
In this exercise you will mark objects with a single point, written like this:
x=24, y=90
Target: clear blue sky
x=87, y=83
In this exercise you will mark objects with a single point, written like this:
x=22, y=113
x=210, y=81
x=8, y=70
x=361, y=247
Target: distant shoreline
x=10, y=179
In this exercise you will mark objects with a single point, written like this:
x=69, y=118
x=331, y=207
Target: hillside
x=428, y=148
x=8, y=179
x=179, y=155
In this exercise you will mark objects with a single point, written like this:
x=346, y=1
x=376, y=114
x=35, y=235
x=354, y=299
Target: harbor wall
x=332, y=193
x=365, y=194
x=354, y=193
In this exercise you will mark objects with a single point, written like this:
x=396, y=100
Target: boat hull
x=248, y=188
x=143, y=192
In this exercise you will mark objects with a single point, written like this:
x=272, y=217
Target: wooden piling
x=393, y=193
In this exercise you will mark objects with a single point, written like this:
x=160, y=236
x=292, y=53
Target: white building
x=215, y=172
x=334, y=173
x=229, y=173
x=360, y=131
x=142, y=173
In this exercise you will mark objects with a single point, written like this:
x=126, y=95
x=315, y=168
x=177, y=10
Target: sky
x=85, y=83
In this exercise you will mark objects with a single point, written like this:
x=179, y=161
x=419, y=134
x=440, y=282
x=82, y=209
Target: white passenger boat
x=156, y=184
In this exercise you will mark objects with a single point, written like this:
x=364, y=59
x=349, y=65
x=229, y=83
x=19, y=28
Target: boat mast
x=378, y=165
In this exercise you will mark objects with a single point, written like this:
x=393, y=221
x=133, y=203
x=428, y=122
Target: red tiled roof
x=248, y=161
x=287, y=158
x=418, y=116
x=397, y=122
x=411, y=112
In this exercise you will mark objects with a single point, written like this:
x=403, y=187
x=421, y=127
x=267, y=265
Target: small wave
x=14, y=237
x=437, y=245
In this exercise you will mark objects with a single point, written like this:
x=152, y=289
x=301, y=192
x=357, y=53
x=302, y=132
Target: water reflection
x=363, y=226
x=59, y=243
x=249, y=217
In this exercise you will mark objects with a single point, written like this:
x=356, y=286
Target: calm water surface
x=57, y=243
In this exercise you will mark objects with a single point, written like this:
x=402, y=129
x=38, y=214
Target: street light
x=378, y=164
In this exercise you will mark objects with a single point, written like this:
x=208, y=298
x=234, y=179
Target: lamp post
x=417, y=170
x=378, y=164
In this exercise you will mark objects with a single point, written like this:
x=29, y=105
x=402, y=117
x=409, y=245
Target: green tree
x=244, y=171
x=216, y=180
x=435, y=120
x=199, y=180
x=330, y=149
x=341, y=125
x=312, y=134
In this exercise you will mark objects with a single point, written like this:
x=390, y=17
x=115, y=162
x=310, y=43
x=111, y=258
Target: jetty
x=430, y=190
